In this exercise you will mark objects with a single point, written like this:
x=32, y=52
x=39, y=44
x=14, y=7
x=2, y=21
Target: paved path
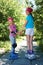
x=4, y=60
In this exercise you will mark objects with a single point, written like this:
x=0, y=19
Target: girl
x=29, y=25
x=12, y=37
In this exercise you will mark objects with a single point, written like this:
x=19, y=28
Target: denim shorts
x=12, y=39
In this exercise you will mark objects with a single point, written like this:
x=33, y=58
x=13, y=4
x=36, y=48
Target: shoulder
x=14, y=24
x=31, y=17
x=27, y=17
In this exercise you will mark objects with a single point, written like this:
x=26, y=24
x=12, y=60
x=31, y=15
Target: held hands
x=17, y=33
x=20, y=32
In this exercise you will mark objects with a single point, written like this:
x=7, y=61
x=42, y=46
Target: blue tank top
x=30, y=21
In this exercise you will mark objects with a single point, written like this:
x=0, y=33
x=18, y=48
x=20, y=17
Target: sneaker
x=30, y=56
x=13, y=57
x=30, y=52
x=11, y=53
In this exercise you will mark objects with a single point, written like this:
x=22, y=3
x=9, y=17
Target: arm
x=9, y=29
x=25, y=23
x=21, y=32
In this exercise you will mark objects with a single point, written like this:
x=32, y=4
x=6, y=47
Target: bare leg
x=27, y=38
x=30, y=43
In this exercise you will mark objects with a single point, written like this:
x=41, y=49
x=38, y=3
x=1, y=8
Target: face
x=10, y=22
x=27, y=13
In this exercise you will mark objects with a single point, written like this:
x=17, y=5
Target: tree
x=39, y=21
x=9, y=8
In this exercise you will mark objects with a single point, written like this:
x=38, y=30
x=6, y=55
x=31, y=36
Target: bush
x=40, y=45
x=9, y=8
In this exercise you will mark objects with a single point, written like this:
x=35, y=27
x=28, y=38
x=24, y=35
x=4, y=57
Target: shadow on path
x=21, y=60
x=4, y=60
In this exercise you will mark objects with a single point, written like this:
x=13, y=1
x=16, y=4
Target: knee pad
x=14, y=45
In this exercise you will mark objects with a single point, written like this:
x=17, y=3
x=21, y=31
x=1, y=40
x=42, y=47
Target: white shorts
x=29, y=31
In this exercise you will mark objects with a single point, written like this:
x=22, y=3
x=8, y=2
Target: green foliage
x=9, y=8
x=40, y=45
x=5, y=45
x=38, y=14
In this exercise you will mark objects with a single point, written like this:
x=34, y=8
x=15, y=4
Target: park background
x=16, y=9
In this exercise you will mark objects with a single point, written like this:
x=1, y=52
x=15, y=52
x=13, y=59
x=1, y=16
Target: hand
x=20, y=32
